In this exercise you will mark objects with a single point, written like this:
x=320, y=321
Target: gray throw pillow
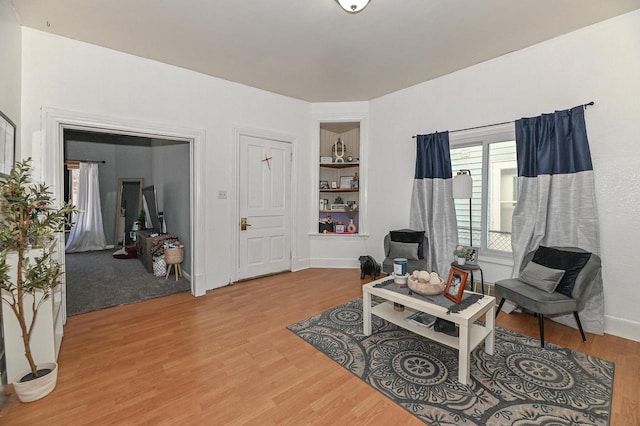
x=541, y=277
x=406, y=250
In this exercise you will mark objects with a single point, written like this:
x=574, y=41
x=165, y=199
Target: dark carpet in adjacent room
x=95, y=280
x=521, y=384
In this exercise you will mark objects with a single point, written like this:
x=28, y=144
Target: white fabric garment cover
x=87, y=232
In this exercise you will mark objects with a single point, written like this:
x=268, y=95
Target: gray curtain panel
x=556, y=204
x=432, y=207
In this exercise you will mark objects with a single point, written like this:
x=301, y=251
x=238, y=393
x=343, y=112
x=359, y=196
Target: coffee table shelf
x=477, y=333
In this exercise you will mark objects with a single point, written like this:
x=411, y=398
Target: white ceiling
x=312, y=49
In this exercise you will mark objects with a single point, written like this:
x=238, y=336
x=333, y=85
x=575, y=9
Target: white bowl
x=426, y=289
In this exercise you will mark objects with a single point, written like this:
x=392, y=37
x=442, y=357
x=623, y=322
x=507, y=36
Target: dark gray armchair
x=408, y=251
x=540, y=298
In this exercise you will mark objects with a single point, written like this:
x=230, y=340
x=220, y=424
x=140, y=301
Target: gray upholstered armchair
x=408, y=244
x=552, y=280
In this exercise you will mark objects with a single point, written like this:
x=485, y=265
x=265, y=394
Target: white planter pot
x=37, y=388
x=461, y=260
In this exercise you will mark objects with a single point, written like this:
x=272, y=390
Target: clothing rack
x=499, y=124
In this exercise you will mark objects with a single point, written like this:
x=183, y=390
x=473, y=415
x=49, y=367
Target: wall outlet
x=222, y=194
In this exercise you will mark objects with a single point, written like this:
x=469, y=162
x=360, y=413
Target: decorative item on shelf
x=345, y=182
x=355, y=183
x=326, y=160
x=339, y=207
x=349, y=159
x=323, y=206
x=326, y=225
x=351, y=212
x=338, y=150
x=28, y=217
x=340, y=227
x=334, y=185
x=338, y=200
x=324, y=184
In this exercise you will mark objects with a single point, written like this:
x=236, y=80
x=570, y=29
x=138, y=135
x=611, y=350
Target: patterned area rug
x=521, y=384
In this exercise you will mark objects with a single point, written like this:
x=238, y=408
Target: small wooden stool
x=174, y=257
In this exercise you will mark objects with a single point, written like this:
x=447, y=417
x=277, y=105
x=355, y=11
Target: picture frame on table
x=7, y=144
x=339, y=228
x=345, y=182
x=456, y=283
x=324, y=184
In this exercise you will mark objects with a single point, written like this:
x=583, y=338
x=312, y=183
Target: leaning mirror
x=127, y=210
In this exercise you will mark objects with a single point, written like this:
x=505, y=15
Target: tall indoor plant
x=28, y=221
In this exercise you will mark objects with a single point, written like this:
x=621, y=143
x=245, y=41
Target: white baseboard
x=622, y=328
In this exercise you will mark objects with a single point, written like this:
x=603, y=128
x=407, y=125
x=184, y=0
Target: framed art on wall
x=7, y=144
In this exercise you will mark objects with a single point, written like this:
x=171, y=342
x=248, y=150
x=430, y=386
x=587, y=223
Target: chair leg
x=541, y=321
x=500, y=307
x=575, y=315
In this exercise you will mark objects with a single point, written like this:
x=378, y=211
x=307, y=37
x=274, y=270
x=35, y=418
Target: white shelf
x=385, y=310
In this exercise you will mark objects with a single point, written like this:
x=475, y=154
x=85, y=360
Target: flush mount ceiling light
x=353, y=6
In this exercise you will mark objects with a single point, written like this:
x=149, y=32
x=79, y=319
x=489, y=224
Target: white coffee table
x=470, y=334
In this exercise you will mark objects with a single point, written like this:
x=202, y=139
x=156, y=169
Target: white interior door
x=265, y=206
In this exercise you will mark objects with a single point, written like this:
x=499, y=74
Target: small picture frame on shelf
x=339, y=228
x=355, y=184
x=456, y=283
x=324, y=184
x=334, y=185
x=339, y=207
x=345, y=182
x=326, y=160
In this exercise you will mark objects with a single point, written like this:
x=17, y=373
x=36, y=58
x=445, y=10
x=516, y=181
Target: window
x=492, y=162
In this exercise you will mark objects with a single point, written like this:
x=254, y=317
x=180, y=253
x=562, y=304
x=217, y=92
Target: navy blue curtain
x=433, y=158
x=553, y=144
x=556, y=203
x=432, y=209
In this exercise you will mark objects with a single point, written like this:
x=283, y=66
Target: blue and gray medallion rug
x=521, y=384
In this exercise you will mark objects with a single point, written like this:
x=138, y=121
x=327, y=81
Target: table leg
x=464, y=372
x=490, y=322
x=366, y=313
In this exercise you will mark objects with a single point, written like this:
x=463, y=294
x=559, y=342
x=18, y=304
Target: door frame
x=50, y=146
x=235, y=198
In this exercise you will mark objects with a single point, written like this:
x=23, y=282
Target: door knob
x=243, y=224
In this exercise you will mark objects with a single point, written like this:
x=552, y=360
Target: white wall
x=171, y=180
x=10, y=65
x=70, y=75
x=600, y=63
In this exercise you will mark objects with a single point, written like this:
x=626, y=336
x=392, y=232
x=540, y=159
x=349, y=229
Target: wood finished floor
x=227, y=358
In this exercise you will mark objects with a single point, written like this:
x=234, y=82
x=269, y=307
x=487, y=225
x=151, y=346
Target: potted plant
x=461, y=255
x=28, y=224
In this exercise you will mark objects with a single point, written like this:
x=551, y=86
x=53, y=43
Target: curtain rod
x=85, y=161
x=499, y=124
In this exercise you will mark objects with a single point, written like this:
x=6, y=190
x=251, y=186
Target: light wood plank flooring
x=227, y=358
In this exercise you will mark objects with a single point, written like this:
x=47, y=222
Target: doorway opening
x=49, y=159
x=127, y=164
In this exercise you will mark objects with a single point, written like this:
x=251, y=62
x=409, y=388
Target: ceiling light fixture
x=353, y=6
